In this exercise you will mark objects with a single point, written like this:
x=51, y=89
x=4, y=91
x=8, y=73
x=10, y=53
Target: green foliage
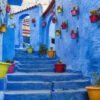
x=96, y=79
x=42, y=49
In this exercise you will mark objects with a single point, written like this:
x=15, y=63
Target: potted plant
x=58, y=32
x=94, y=91
x=11, y=16
x=60, y=67
x=33, y=20
x=11, y=67
x=3, y=69
x=8, y=8
x=30, y=49
x=42, y=49
x=51, y=53
x=54, y=20
x=59, y=9
x=3, y=28
x=75, y=11
x=94, y=17
x=74, y=34
x=64, y=25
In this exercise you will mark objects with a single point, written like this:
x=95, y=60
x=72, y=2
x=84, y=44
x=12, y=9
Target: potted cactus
x=11, y=67
x=3, y=69
x=51, y=53
x=30, y=49
x=94, y=17
x=94, y=91
x=42, y=49
x=75, y=11
x=60, y=67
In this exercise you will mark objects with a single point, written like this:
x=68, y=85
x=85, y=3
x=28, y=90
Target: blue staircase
x=35, y=79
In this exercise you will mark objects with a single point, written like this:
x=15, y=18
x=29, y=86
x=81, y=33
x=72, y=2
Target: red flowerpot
x=54, y=20
x=8, y=8
x=59, y=68
x=64, y=25
x=33, y=20
x=11, y=68
x=94, y=18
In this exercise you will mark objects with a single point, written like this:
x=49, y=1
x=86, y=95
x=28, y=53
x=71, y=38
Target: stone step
x=28, y=95
x=28, y=85
x=46, y=76
x=76, y=94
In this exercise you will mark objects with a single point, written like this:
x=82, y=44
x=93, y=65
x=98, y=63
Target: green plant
x=59, y=62
x=51, y=48
x=96, y=79
x=42, y=49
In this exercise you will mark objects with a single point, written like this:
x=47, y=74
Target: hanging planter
x=44, y=24
x=59, y=9
x=3, y=28
x=64, y=25
x=94, y=17
x=11, y=16
x=75, y=11
x=74, y=35
x=58, y=32
x=33, y=20
x=54, y=20
x=8, y=8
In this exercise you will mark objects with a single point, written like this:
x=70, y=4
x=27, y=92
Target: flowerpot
x=51, y=53
x=64, y=25
x=33, y=20
x=93, y=93
x=54, y=20
x=8, y=8
x=58, y=32
x=74, y=12
x=59, y=9
x=3, y=28
x=74, y=35
x=94, y=18
x=11, y=68
x=59, y=68
x=30, y=50
x=3, y=69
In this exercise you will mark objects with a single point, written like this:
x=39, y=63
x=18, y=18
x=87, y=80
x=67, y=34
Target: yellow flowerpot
x=30, y=50
x=93, y=93
x=3, y=69
x=3, y=28
x=51, y=53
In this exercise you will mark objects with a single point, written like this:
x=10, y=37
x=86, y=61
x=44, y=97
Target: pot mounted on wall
x=94, y=16
x=64, y=25
x=33, y=20
x=8, y=8
x=54, y=20
x=58, y=32
x=75, y=11
x=74, y=34
x=59, y=9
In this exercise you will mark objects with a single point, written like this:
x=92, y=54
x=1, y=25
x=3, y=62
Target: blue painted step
x=28, y=95
x=74, y=84
x=43, y=76
x=29, y=85
x=78, y=94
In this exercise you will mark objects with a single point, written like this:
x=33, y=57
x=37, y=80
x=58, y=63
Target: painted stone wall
x=81, y=54
x=34, y=12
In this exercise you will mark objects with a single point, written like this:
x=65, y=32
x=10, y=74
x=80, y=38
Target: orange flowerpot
x=3, y=28
x=93, y=93
x=51, y=53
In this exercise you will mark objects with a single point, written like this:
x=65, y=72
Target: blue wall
x=82, y=55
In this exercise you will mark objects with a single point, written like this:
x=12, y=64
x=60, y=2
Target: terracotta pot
x=11, y=68
x=8, y=8
x=93, y=93
x=59, y=68
x=74, y=35
x=94, y=18
x=51, y=53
